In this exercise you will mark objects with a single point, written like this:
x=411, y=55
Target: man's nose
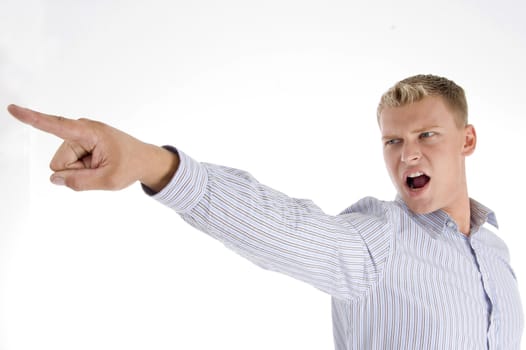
x=411, y=153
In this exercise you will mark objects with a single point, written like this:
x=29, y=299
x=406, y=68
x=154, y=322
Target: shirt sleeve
x=277, y=232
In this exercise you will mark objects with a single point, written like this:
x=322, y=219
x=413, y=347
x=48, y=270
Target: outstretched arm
x=277, y=232
x=97, y=156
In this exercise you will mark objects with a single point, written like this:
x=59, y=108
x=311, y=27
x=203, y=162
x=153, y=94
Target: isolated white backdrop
x=286, y=89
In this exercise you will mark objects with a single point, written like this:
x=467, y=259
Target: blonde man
x=419, y=272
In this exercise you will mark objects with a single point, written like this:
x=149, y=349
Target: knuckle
x=90, y=122
x=53, y=166
x=74, y=184
x=85, y=121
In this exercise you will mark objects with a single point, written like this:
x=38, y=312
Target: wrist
x=159, y=168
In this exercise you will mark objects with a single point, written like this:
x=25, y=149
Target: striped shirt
x=398, y=280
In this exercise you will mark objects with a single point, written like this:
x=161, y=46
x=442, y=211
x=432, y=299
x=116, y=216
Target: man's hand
x=97, y=156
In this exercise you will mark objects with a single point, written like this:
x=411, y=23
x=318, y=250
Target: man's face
x=424, y=152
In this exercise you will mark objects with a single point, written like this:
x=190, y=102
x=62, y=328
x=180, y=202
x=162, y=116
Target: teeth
x=417, y=174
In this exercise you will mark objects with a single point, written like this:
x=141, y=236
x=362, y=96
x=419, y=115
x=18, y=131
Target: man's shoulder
x=372, y=206
x=489, y=239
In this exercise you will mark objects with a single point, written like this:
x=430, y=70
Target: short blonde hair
x=415, y=88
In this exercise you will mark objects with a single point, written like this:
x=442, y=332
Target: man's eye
x=392, y=142
x=427, y=134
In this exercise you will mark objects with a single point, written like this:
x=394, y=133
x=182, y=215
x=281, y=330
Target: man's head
x=415, y=88
x=425, y=135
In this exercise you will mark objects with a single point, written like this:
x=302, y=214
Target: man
x=419, y=272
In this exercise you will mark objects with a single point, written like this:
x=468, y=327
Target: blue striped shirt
x=398, y=280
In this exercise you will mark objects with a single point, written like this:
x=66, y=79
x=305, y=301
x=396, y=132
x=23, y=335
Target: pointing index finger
x=64, y=128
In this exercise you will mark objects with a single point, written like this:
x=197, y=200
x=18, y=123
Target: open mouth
x=417, y=180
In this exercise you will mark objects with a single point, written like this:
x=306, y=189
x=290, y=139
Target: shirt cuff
x=187, y=186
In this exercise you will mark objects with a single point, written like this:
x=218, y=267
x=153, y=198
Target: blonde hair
x=415, y=88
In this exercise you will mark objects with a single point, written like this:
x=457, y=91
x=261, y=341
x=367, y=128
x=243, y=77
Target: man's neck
x=461, y=214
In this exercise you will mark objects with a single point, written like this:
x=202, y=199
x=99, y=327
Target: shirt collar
x=481, y=214
x=434, y=222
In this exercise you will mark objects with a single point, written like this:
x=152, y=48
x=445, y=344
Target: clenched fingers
x=71, y=155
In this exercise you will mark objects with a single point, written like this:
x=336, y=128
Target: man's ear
x=470, y=140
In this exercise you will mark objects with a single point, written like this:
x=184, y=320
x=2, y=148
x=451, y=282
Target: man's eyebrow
x=425, y=128
x=389, y=137
x=416, y=131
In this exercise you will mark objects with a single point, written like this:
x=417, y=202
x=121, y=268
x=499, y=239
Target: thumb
x=78, y=179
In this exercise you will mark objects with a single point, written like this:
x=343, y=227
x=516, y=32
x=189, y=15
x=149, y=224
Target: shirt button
x=450, y=224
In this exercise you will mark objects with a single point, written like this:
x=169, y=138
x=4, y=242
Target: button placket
x=486, y=283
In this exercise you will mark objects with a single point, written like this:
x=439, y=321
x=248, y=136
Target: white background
x=286, y=89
